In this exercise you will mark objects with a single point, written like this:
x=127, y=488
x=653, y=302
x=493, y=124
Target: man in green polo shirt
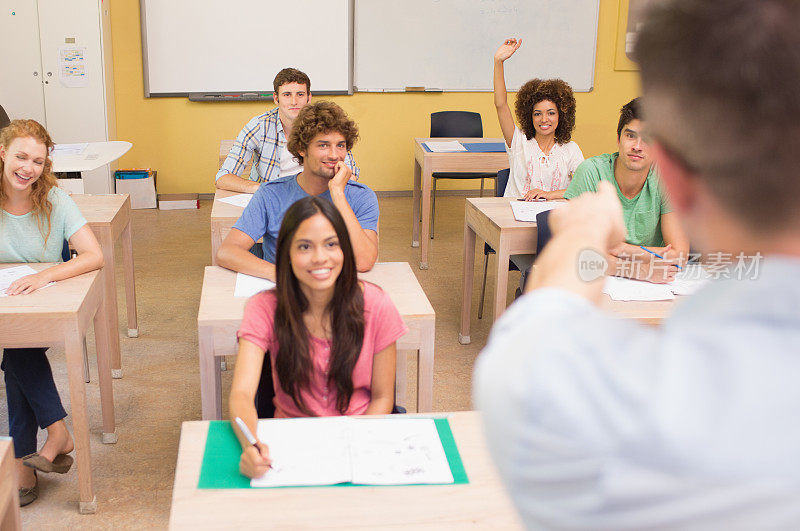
x=648, y=217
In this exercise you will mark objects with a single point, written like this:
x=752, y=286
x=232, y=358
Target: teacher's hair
x=721, y=94
x=42, y=208
x=293, y=362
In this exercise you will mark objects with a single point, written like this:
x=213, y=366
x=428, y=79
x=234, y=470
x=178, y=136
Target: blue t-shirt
x=263, y=215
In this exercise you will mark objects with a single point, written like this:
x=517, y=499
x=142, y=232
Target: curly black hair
x=556, y=90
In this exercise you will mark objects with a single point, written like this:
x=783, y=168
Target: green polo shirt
x=642, y=214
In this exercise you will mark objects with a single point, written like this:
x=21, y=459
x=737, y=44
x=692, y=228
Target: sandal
x=60, y=465
x=28, y=495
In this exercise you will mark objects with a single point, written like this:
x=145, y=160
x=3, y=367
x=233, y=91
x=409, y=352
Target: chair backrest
x=501, y=182
x=456, y=123
x=4, y=120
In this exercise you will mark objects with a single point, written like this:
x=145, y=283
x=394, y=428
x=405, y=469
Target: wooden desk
x=9, y=498
x=220, y=316
x=482, y=503
x=492, y=220
x=223, y=216
x=109, y=216
x=61, y=314
x=426, y=163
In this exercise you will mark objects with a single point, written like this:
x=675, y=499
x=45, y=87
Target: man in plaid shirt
x=265, y=137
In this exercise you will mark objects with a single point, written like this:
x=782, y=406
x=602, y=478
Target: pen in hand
x=657, y=255
x=248, y=435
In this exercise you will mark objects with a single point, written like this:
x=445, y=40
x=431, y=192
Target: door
x=73, y=70
x=21, y=89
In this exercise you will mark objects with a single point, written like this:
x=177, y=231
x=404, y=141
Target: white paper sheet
x=331, y=450
x=625, y=289
x=398, y=452
x=240, y=200
x=449, y=146
x=691, y=278
x=10, y=274
x=69, y=149
x=247, y=285
x=527, y=210
x=306, y=451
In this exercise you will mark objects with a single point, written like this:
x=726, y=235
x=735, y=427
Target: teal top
x=21, y=239
x=642, y=214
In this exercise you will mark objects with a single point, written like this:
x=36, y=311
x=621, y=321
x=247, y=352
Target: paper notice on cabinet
x=72, y=71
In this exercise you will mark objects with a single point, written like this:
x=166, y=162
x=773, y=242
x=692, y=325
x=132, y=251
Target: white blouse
x=531, y=168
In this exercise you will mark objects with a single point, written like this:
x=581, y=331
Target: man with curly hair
x=649, y=219
x=321, y=137
x=541, y=155
x=264, y=138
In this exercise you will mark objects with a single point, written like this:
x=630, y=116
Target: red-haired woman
x=35, y=218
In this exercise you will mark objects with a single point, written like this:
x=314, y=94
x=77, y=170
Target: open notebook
x=333, y=450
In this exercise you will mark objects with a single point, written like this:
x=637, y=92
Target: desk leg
x=401, y=379
x=425, y=368
x=501, y=288
x=415, y=206
x=216, y=240
x=102, y=336
x=210, y=377
x=130, y=282
x=466, y=283
x=425, y=237
x=73, y=343
x=110, y=299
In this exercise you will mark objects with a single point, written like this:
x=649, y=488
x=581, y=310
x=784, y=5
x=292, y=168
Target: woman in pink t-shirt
x=330, y=337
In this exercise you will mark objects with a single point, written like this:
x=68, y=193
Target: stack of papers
x=240, y=200
x=450, y=146
x=69, y=149
x=247, y=285
x=686, y=282
x=527, y=210
x=626, y=289
x=331, y=450
x=10, y=274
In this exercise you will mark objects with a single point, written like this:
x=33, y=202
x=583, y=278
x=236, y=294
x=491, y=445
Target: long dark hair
x=346, y=309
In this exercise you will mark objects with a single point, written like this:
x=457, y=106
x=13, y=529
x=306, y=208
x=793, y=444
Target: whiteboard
x=449, y=44
x=239, y=45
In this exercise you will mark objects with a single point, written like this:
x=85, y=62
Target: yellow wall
x=180, y=138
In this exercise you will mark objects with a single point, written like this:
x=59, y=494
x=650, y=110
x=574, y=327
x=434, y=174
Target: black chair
x=499, y=189
x=4, y=120
x=456, y=124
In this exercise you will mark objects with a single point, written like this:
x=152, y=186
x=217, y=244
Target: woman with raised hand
x=330, y=337
x=36, y=217
x=541, y=154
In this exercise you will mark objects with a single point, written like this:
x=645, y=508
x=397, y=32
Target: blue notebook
x=485, y=147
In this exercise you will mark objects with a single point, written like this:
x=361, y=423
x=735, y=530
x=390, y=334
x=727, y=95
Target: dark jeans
x=32, y=397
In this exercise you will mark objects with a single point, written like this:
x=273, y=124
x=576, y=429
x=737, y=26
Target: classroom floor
x=161, y=384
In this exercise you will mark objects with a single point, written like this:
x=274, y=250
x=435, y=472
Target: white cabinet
x=56, y=68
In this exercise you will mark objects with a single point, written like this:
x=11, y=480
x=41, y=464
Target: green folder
x=220, y=468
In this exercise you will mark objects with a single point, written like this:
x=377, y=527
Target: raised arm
x=364, y=241
x=504, y=115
